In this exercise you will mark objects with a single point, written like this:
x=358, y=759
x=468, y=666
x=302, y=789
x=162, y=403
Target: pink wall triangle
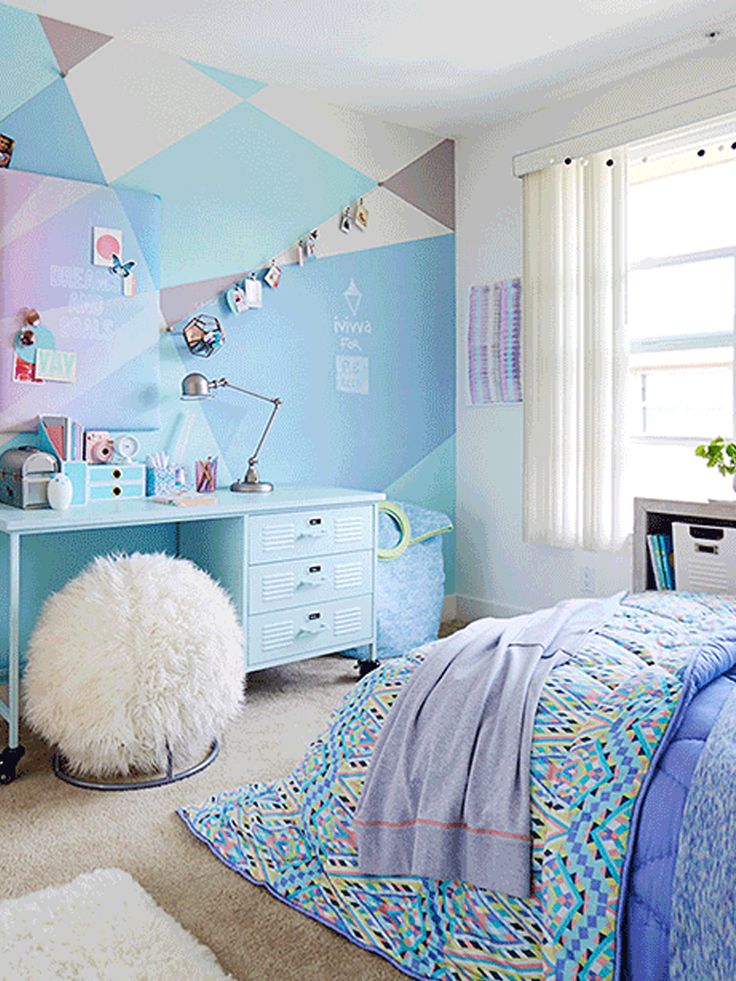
x=71, y=44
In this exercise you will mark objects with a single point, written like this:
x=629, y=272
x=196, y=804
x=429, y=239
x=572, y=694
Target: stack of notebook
x=663, y=560
x=61, y=436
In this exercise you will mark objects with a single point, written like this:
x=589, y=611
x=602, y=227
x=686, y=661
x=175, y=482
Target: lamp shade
x=195, y=386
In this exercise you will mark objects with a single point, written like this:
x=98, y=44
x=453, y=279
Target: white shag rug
x=136, y=655
x=103, y=925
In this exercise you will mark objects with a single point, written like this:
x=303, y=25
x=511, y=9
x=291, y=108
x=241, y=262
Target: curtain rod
x=647, y=124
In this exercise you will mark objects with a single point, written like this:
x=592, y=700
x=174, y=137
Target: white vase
x=60, y=492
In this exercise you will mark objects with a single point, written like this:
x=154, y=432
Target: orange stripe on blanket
x=442, y=824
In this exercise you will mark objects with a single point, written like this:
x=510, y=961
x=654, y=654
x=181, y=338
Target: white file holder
x=705, y=558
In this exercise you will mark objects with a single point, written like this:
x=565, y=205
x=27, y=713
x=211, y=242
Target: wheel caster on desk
x=365, y=667
x=9, y=760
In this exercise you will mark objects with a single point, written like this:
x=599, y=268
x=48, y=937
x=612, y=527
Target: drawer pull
x=318, y=532
x=311, y=629
x=311, y=581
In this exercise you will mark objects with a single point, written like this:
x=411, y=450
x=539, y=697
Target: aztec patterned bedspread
x=604, y=718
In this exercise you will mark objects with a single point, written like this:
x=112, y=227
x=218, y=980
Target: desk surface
x=147, y=512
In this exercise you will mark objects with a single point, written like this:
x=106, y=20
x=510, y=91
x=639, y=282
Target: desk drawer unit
x=288, y=635
x=108, y=482
x=281, y=585
x=310, y=583
x=304, y=533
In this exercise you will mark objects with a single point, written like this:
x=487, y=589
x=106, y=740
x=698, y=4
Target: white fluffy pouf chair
x=138, y=657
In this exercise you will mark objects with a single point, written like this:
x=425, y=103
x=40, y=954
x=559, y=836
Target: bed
x=621, y=733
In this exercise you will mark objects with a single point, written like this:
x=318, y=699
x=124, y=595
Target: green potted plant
x=719, y=454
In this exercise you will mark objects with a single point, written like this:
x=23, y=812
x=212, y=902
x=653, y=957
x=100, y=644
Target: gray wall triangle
x=71, y=44
x=429, y=183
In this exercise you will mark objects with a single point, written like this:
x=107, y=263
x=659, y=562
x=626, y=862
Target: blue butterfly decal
x=120, y=268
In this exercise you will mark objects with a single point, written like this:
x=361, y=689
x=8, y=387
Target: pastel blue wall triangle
x=431, y=484
x=28, y=63
x=238, y=191
x=50, y=137
x=245, y=87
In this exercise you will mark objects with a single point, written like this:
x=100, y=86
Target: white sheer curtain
x=576, y=354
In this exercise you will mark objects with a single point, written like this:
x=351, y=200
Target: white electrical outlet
x=587, y=580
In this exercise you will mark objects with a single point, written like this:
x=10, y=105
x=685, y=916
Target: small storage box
x=705, y=558
x=24, y=476
x=107, y=482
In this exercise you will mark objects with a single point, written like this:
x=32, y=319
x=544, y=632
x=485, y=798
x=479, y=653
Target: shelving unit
x=655, y=517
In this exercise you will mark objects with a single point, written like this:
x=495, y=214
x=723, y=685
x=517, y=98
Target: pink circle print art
x=106, y=242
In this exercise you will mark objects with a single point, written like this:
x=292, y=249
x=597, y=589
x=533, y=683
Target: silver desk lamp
x=195, y=387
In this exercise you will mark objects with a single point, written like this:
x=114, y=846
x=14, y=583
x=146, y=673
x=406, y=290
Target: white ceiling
x=438, y=65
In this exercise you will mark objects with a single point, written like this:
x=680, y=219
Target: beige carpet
x=50, y=832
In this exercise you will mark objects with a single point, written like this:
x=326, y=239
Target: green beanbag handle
x=398, y=515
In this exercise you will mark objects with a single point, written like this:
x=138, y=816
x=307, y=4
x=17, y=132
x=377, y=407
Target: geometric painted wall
x=243, y=169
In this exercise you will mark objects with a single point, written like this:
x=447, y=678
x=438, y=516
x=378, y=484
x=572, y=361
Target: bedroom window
x=681, y=311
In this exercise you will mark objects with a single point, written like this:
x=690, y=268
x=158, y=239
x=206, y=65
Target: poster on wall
x=494, y=344
x=75, y=339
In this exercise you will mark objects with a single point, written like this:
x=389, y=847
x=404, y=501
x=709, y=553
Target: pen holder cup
x=162, y=481
x=205, y=475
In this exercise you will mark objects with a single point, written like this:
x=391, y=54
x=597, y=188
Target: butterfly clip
x=120, y=268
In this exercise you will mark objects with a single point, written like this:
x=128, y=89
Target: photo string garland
x=204, y=334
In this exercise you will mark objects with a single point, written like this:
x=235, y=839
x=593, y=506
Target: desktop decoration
x=99, y=447
x=60, y=492
x=195, y=386
x=164, y=478
x=126, y=446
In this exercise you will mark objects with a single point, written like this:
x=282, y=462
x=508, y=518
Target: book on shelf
x=662, y=558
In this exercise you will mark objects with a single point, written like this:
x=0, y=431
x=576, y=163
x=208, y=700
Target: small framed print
x=345, y=221
x=106, y=243
x=6, y=150
x=253, y=293
x=361, y=216
x=310, y=245
x=273, y=276
x=236, y=299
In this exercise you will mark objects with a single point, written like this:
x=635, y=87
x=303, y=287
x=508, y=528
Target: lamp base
x=243, y=487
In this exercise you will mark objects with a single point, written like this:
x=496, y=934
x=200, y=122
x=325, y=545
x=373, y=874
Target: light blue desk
x=299, y=564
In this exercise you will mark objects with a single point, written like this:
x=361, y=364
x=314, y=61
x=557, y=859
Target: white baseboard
x=449, y=608
x=472, y=608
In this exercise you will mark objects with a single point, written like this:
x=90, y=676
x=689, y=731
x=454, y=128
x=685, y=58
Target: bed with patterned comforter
x=604, y=744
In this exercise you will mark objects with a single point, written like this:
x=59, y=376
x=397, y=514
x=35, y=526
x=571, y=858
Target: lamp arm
x=251, y=478
x=224, y=383
x=276, y=406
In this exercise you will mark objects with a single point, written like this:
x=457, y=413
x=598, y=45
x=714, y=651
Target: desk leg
x=11, y=755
